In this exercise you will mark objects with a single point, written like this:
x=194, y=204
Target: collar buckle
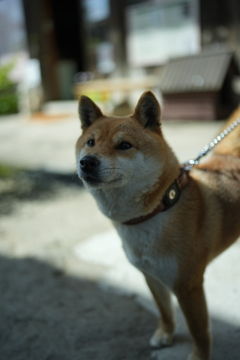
x=170, y=198
x=172, y=195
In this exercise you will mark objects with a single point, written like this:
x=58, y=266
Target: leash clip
x=189, y=164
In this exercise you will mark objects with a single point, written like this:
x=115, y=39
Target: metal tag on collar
x=171, y=196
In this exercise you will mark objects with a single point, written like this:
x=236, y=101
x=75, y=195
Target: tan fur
x=231, y=144
x=173, y=248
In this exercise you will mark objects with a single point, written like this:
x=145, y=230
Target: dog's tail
x=230, y=145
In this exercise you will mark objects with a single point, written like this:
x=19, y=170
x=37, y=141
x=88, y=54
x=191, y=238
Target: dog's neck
x=131, y=201
x=118, y=204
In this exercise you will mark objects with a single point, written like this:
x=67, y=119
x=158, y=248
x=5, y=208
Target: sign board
x=161, y=30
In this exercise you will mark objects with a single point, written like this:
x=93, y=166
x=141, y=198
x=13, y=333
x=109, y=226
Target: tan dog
x=171, y=224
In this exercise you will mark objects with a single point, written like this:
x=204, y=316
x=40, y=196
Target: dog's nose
x=88, y=164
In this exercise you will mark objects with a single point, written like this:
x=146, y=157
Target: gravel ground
x=52, y=306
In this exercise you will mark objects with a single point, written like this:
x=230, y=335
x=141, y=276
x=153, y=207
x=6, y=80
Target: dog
x=172, y=222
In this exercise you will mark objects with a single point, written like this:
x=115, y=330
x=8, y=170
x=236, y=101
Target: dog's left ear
x=148, y=111
x=88, y=111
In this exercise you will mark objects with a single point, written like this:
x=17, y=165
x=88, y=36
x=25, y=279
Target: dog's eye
x=91, y=143
x=124, y=146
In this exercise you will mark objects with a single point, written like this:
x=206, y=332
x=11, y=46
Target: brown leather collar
x=170, y=198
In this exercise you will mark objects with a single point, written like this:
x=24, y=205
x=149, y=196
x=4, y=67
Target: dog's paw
x=161, y=338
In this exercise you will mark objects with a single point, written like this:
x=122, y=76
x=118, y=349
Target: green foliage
x=4, y=75
x=8, y=93
x=7, y=171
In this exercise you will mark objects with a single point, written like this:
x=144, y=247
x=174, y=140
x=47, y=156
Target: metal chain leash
x=189, y=164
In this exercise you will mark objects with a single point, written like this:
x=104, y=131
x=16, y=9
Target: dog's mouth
x=94, y=181
x=91, y=179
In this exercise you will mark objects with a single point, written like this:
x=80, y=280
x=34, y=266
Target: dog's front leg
x=163, y=336
x=194, y=307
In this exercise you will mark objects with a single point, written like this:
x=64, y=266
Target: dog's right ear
x=88, y=111
x=148, y=111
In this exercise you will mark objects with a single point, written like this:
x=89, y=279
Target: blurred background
x=187, y=51
x=67, y=291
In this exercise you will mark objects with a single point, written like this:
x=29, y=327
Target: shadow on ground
x=32, y=185
x=48, y=315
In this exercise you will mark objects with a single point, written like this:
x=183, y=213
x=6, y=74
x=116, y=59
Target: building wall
x=190, y=106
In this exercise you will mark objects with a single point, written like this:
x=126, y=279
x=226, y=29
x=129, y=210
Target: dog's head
x=112, y=152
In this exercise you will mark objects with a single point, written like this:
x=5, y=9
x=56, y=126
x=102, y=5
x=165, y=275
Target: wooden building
x=200, y=87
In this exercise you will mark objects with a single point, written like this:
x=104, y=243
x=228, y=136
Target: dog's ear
x=88, y=111
x=148, y=111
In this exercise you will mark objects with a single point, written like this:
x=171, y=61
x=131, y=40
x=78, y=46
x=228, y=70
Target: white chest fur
x=143, y=245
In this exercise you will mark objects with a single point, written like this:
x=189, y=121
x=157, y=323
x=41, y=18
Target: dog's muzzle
x=89, y=166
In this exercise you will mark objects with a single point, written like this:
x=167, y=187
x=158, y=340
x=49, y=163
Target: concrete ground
x=67, y=290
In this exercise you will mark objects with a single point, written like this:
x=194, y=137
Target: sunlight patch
x=120, y=276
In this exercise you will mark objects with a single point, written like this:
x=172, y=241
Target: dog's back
x=222, y=173
x=225, y=158
x=231, y=144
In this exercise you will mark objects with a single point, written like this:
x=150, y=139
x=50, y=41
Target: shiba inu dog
x=172, y=223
